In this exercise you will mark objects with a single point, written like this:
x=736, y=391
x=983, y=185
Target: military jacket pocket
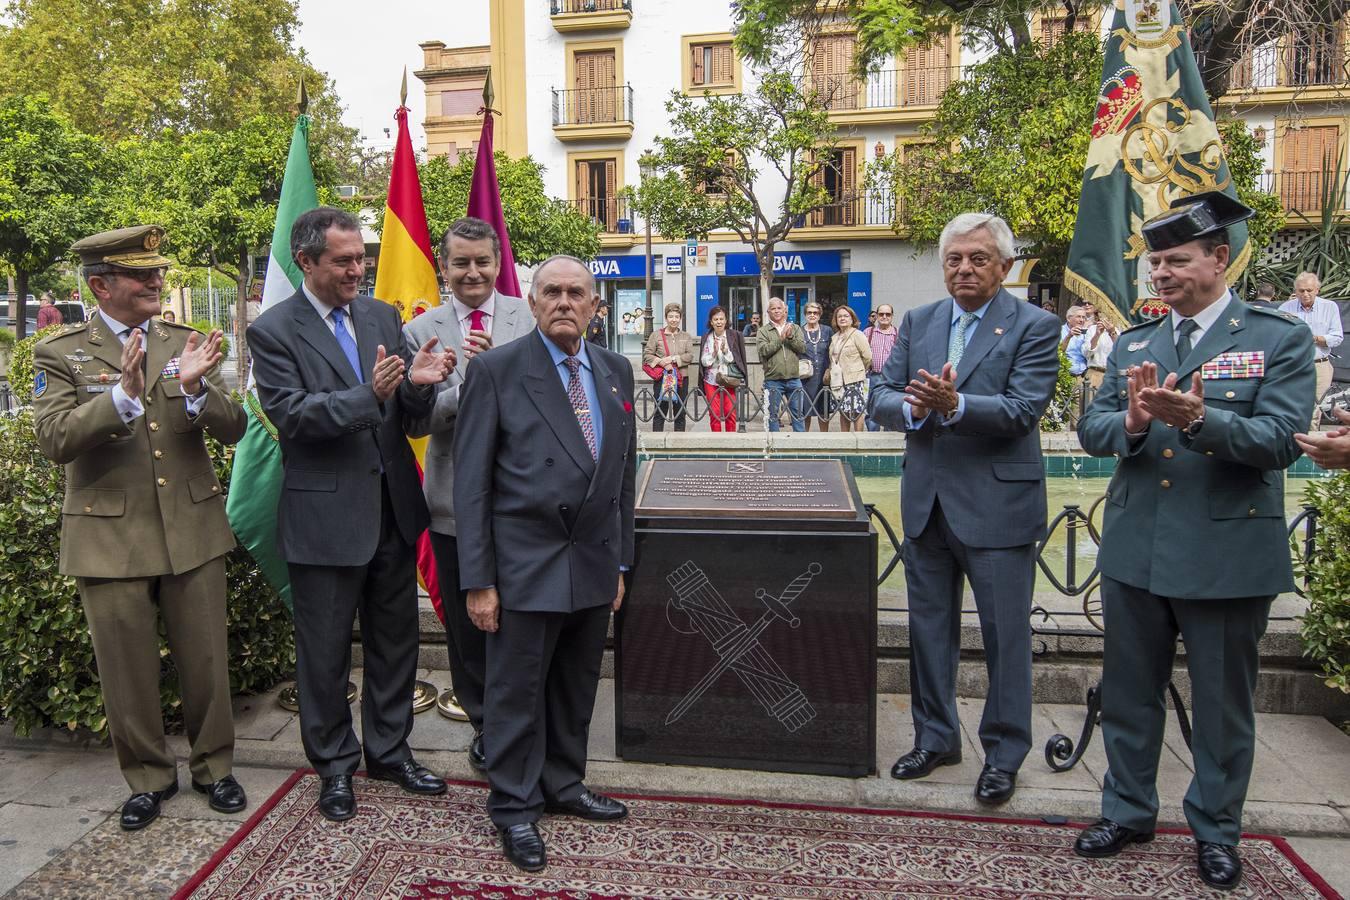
x=203, y=487
x=94, y=502
x=1235, y=395
x=1250, y=503
x=1018, y=470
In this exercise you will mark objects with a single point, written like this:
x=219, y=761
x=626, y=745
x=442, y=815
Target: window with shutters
x=710, y=64
x=832, y=70
x=1049, y=29
x=594, y=95
x=596, y=189
x=1315, y=56
x=839, y=177
x=1303, y=154
x=926, y=73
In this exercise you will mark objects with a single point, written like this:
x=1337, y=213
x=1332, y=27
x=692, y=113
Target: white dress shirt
x=1324, y=319
x=462, y=313
x=1204, y=320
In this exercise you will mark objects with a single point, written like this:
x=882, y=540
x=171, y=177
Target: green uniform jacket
x=1203, y=517
x=780, y=355
x=142, y=497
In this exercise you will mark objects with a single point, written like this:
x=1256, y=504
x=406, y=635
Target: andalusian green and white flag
x=1154, y=140
x=255, y=485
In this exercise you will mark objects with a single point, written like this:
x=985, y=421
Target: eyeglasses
x=144, y=276
x=884, y=315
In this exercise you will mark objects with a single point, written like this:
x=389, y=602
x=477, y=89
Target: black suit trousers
x=466, y=642
x=542, y=672
x=382, y=596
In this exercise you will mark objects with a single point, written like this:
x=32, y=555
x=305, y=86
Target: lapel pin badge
x=1234, y=322
x=1137, y=345
x=998, y=331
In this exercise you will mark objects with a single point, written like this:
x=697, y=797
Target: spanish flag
x=406, y=279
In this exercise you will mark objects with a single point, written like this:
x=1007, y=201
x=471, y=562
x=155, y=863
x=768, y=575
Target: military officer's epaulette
x=1151, y=323
x=1286, y=317
x=64, y=331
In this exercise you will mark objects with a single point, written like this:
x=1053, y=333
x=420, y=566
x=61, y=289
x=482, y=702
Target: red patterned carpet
x=401, y=846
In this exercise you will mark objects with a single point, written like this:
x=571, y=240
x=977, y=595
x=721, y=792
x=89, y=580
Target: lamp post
x=645, y=167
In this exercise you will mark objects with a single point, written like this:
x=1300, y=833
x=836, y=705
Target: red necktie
x=476, y=320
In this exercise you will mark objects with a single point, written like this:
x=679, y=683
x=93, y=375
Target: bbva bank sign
x=800, y=262
x=617, y=267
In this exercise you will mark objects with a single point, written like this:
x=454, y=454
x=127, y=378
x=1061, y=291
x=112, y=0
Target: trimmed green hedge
x=1326, y=624
x=47, y=671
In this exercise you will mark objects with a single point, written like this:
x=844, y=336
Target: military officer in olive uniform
x=1201, y=408
x=122, y=401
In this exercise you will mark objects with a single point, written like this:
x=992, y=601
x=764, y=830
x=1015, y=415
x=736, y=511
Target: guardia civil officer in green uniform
x=122, y=401
x=1202, y=408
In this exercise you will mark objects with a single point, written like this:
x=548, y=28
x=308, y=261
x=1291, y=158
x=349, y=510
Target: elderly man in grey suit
x=475, y=319
x=334, y=379
x=968, y=380
x=545, y=454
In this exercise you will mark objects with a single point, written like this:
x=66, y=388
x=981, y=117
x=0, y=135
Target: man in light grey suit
x=972, y=497
x=475, y=319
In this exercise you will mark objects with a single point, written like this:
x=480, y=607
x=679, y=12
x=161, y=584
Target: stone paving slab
x=32, y=836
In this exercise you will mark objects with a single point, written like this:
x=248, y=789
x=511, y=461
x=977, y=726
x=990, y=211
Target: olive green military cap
x=136, y=247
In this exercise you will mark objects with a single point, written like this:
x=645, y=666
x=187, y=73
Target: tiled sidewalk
x=58, y=800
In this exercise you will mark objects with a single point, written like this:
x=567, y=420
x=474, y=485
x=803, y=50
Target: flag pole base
x=424, y=696
x=448, y=705
x=289, y=698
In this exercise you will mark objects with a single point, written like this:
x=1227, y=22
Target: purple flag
x=485, y=202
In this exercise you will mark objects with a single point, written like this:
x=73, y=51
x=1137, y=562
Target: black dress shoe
x=1105, y=838
x=142, y=809
x=337, y=801
x=410, y=776
x=225, y=795
x=995, y=786
x=524, y=846
x=596, y=807
x=1219, y=865
x=477, y=758
x=919, y=762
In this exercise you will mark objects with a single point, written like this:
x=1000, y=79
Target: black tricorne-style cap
x=1193, y=217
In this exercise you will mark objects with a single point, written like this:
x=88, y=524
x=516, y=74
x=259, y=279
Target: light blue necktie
x=346, y=341
x=956, y=348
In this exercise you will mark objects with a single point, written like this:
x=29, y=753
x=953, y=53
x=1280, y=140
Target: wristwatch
x=1193, y=427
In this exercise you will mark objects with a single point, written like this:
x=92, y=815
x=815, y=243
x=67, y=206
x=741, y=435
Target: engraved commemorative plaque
x=757, y=488
x=748, y=635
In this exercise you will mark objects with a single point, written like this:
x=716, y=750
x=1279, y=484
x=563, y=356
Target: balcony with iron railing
x=590, y=15
x=1302, y=194
x=1292, y=65
x=888, y=95
x=864, y=212
x=618, y=228
x=593, y=113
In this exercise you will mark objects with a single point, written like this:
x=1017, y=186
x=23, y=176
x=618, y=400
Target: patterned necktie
x=1185, y=330
x=346, y=341
x=956, y=348
x=577, y=394
x=476, y=320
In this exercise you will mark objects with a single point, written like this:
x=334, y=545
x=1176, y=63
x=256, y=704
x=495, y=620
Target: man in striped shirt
x=881, y=337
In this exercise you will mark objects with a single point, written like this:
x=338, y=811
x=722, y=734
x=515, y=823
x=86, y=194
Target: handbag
x=655, y=373
x=730, y=377
x=805, y=369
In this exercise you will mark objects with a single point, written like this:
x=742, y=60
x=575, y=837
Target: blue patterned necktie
x=576, y=392
x=956, y=348
x=346, y=341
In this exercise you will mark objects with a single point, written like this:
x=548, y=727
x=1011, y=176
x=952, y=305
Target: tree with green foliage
x=50, y=190
x=119, y=68
x=1010, y=137
x=1222, y=32
x=215, y=192
x=539, y=225
x=752, y=163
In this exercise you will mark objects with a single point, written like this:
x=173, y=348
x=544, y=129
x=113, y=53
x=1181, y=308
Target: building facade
x=582, y=85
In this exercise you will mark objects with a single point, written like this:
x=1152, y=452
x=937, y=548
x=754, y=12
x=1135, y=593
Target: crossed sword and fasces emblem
x=737, y=645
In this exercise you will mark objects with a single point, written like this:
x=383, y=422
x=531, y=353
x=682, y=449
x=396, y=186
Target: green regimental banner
x=1154, y=141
